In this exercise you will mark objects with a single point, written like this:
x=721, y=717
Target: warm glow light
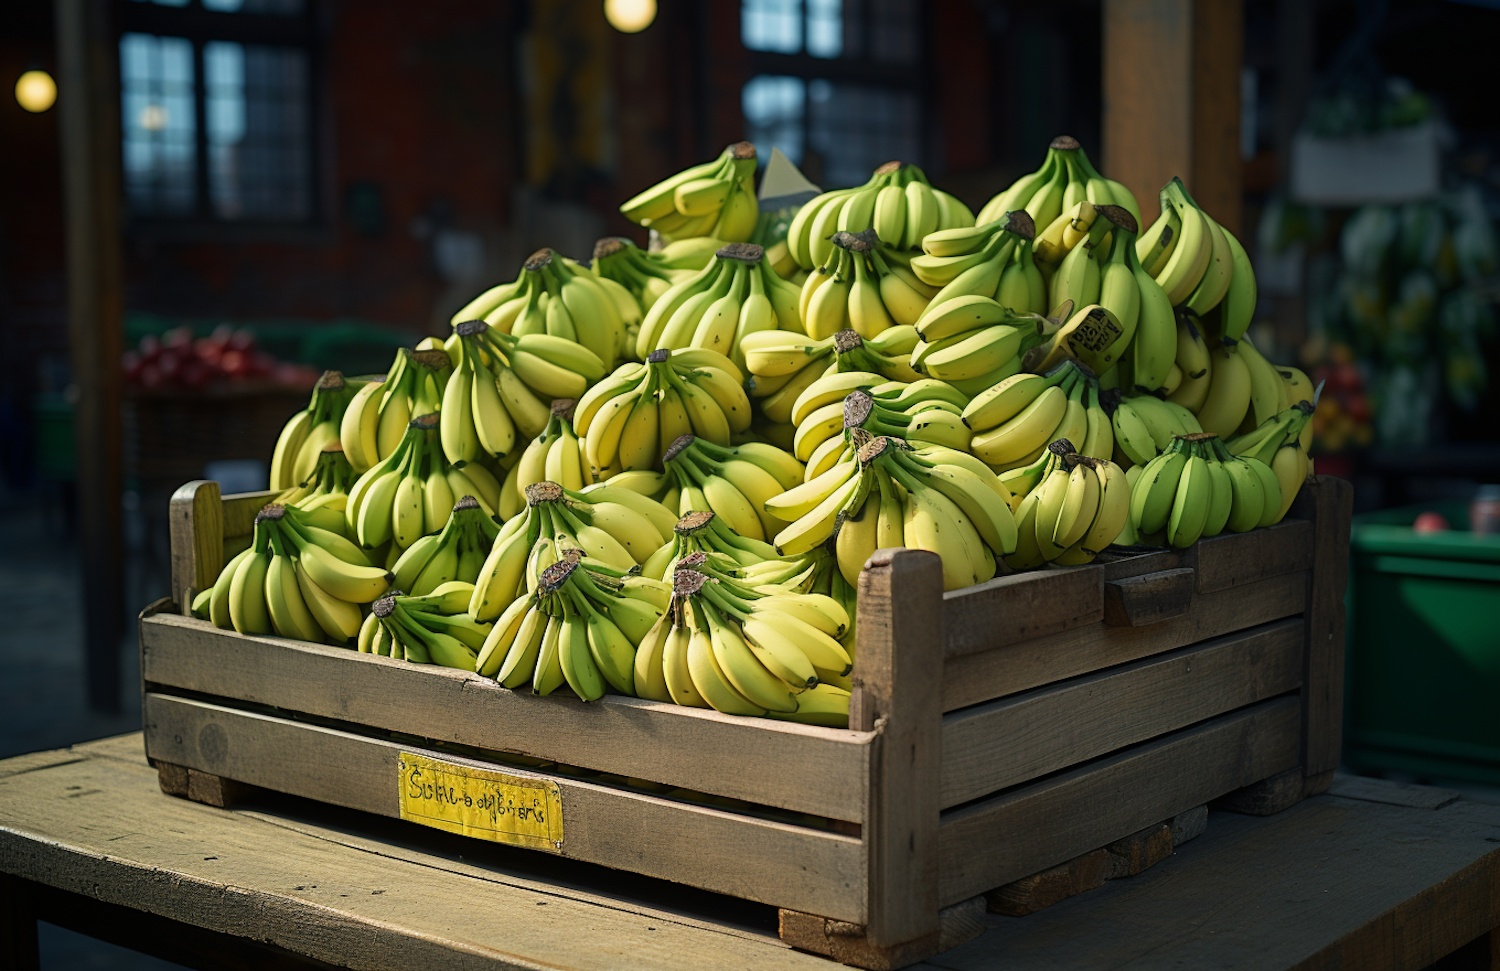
x=630, y=16
x=36, y=91
x=153, y=118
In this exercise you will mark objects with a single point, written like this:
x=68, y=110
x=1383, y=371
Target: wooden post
x=197, y=529
x=1172, y=101
x=1330, y=504
x=89, y=120
x=899, y=688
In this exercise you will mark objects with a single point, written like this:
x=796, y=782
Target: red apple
x=1430, y=522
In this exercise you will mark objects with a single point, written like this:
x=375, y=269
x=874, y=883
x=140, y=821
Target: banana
x=1229, y=393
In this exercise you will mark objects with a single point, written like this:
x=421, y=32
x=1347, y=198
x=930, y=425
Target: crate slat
x=725, y=755
x=1007, y=742
x=1033, y=604
x=1019, y=667
x=1235, y=559
x=1030, y=829
x=725, y=852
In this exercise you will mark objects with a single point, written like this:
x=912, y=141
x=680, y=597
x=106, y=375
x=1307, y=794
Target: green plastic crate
x=1423, y=661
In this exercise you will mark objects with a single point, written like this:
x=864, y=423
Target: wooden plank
x=196, y=526
x=1034, y=827
x=1332, y=504
x=899, y=687
x=1021, y=607
x=720, y=851
x=1391, y=793
x=1235, y=559
x=88, y=72
x=847, y=944
x=1020, y=667
x=239, y=512
x=1148, y=599
x=726, y=755
x=389, y=905
x=1112, y=567
x=1007, y=742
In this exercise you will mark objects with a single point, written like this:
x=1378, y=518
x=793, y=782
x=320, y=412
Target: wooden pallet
x=996, y=732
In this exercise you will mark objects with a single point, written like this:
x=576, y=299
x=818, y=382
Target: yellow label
x=482, y=803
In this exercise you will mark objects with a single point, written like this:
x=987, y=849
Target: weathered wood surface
x=976, y=678
x=1234, y=559
x=98, y=826
x=1030, y=828
x=1006, y=742
x=899, y=685
x=1031, y=604
x=1332, y=504
x=1151, y=598
x=197, y=531
x=1333, y=882
x=724, y=852
x=703, y=750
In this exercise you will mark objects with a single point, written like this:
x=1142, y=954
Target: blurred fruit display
x=178, y=360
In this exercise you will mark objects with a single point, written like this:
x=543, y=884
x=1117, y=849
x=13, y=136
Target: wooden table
x=1371, y=876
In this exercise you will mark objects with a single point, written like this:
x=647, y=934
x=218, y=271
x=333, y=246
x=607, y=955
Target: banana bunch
x=430, y=629
x=579, y=626
x=555, y=455
x=783, y=364
x=732, y=481
x=1014, y=421
x=558, y=298
x=990, y=260
x=1066, y=178
x=377, y=417
x=501, y=384
x=1076, y=277
x=323, y=496
x=410, y=493
x=926, y=410
x=1198, y=488
x=714, y=199
x=858, y=289
x=644, y=275
x=1145, y=426
x=898, y=203
x=974, y=342
x=624, y=420
x=1199, y=264
x=723, y=646
x=912, y=497
x=296, y=580
x=615, y=528
x=455, y=553
x=310, y=430
x=1075, y=511
x=1278, y=442
x=701, y=536
x=735, y=295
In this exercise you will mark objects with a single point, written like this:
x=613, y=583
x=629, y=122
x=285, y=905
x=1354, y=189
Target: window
x=216, y=103
x=838, y=84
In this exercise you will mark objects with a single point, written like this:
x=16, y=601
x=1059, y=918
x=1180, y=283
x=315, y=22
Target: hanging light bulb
x=630, y=16
x=36, y=91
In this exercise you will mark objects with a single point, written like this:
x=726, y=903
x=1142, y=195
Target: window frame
x=199, y=26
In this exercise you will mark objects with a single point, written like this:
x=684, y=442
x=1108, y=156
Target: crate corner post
x=899, y=692
x=1329, y=503
x=197, y=535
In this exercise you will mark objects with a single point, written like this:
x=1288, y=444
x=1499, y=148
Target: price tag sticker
x=483, y=803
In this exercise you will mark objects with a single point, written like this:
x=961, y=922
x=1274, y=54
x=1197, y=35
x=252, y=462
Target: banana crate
x=995, y=732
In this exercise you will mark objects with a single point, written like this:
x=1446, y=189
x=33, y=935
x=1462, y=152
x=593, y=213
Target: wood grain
x=899, y=678
x=1021, y=607
x=197, y=531
x=742, y=758
x=1045, y=660
x=1235, y=559
x=1029, y=829
x=720, y=851
x=1332, y=503
x=239, y=512
x=1148, y=599
x=1007, y=742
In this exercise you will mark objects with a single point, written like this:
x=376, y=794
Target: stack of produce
x=1197, y=488
x=1017, y=419
x=647, y=275
x=376, y=419
x=973, y=342
x=732, y=481
x=989, y=260
x=701, y=531
x=1065, y=179
x=456, y=553
x=310, y=430
x=556, y=454
x=323, y=495
x=1072, y=510
x=783, y=365
x=860, y=289
x=923, y=411
x=715, y=199
x=735, y=295
x=898, y=203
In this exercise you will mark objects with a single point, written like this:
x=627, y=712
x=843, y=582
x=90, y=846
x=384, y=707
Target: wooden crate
x=995, y=731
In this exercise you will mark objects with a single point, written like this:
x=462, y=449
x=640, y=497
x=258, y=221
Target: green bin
x=1423, y=662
